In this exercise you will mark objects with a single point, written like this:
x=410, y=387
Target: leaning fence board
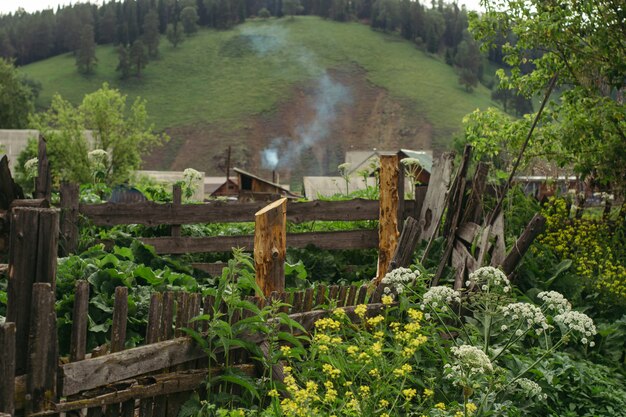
x=435, y=199
x=93, y=373
x=352, y=239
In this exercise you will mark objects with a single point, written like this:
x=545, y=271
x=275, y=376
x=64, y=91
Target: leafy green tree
x=264, y=13
x=175, y=34
x=292, y=7
x=151, y=35
x=122, y=132
x=583, y=45
x=86, y=54
x=124, y=65
x=16, y=98
x=189, y=19
x=138, y=57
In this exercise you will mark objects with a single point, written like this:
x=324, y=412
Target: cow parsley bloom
x=577, y=322
x=489, y=279
x=471, y=362
x=526, y=316
x=398, y=279
x=555, y=301
x=439, y=296
x=531, y=389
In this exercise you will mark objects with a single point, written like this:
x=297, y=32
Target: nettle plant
x=485, y=325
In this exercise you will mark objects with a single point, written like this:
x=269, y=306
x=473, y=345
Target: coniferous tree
x=189, y=19
x=175, y=34
x=151, y=34
x=16, y=99
x=138, y=57
x=86, y=53
x=124, y=65
x=291, y=7
x=468, y=62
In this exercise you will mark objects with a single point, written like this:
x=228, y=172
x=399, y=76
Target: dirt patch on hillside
x=365, y=117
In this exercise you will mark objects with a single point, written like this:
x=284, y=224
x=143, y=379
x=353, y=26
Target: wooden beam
x=351, y=239
x=388, y=217
x=177, y=200
x=270, y=246
x=435, y=200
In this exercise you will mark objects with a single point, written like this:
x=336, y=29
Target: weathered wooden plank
x=167, y=316
x=120, y=317
x=270, y=246
x=96, y=372
x=468, y=232
x=499, y=246
x=360, y=299
x=153, y=214
x=409, y=238
x=33, y=258
x=534, y=228
x=351, y=295
x=320, y=298
x=30, y=203
x=351, y=239
x=69, y=218
x=43, y=182
x=7, y=368
x=153, y=331
x=9, y=190
x=434, y=202
x=388, y=215
x=41, y=379
x=78, y=343
x=474, y=209
x=308, y=300
x=213, y=269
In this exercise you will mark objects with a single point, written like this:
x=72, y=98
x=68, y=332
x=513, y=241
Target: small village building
x=254, y=188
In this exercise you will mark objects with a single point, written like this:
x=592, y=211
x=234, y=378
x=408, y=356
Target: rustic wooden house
x=254, y=188
x=228, y=188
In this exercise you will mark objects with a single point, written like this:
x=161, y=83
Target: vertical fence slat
x=120, y=316
x=333, y=291
x=167, y=318
x=78, y=343
x=7, y=368
x=360, y=299
x=177, y=195
x=308, y=300
x=69, y=217
x=41, y=379
x=351, y=295
x=320, y=298
x=341, y=299
x=388, y=215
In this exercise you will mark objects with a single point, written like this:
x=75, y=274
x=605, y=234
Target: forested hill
x=313, y=81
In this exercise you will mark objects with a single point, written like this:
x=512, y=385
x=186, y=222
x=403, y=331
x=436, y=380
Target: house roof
x=282, y=188
x=360, y=160
x=316, y=187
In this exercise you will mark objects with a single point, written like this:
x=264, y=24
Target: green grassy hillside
x=227, y=76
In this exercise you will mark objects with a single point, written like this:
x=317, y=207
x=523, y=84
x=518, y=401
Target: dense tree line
x=136, y=25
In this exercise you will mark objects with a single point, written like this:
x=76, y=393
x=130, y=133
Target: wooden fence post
x=388, y=215
x=32, y=258
x=41, y=379
x=69, y=217
x=78, y=344
x=177, y=199
x=7, y=368
x=270, y=246
x=43, y=182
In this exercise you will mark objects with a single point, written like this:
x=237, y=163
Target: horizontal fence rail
x=154, y=214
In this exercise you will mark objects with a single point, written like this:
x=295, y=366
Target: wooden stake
x=388, y=215
x=43, y=183
x=270, y=246
x=406, y=247
x=120, y=316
